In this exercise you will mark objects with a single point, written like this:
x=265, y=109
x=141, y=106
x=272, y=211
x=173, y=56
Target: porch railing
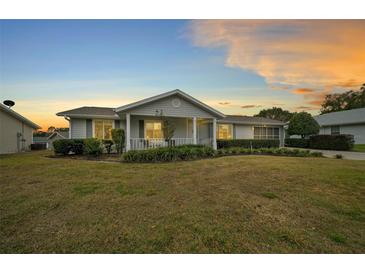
x=143, y=143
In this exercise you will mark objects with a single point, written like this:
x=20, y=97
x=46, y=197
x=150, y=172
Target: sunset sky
x=236, y=66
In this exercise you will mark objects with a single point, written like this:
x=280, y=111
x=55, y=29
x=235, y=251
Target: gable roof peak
x=167, y=94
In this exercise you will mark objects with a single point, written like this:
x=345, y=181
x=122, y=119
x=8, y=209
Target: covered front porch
x=146, y=132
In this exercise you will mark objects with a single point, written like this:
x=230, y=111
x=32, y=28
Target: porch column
x=194, y=131
x=128, y=131
x=214, y=133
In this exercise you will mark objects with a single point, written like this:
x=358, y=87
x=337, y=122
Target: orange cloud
x=303, y=91
x=251, y=106
x=318, y=54
x=224, y=103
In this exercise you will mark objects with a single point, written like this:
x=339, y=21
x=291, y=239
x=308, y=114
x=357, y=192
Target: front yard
x=240, y=204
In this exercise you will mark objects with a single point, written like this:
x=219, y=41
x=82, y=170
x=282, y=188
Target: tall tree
x=344, y=101
x=276, y=114
x=303, y=124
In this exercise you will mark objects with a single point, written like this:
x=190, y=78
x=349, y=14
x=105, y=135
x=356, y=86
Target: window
x=335, y=130
x=224, y=131
x=266, y=133
x=102, y=129
x=153, y=129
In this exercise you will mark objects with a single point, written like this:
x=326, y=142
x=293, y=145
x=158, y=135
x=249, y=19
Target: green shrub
x=92, y=146
x=108, y=145
x=77, y=146
x=168, y=154
x=334, y=142
x=62, y=146
x=248, y=143
x=297, y=142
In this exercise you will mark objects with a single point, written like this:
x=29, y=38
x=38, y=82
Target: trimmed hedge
x=192, y=152
x=63, y=146
x=334, y=142
x=297, y=142
x=248, y=143
x=77, y=146
x=168, y=154
x=268, y=151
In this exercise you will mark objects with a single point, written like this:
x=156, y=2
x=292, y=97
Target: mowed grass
x=359, y=148
x=240, y=204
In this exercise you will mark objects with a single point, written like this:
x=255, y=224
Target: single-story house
x=16, y=131
x=194, y=121
x=56, y=135
x=344, y=122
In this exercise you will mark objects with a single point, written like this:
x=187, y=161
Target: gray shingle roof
x=89, y=111
x=345, y=117
x=250, y=120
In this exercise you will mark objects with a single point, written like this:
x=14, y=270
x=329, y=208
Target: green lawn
x=359, y=148
x=239, y=204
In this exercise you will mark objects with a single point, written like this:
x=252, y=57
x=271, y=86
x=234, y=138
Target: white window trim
x=150, y=121
x=93, y=126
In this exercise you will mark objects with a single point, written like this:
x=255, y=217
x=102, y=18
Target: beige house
x=16, y=131
x=195, y=122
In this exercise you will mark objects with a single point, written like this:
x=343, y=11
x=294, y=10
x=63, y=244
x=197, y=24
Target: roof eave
x=251, y=123
x=20, y=117
x=84, y=116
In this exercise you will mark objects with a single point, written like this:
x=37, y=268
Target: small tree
x=303, y=124
x=118, y=139
x=168, y=128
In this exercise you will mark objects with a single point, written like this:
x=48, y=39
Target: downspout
x=69, y=126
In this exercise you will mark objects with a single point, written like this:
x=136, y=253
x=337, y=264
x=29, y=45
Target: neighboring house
x=195, y=122
x=16, y=131
x=56, y=135
x=40, y=140
x=344, y=122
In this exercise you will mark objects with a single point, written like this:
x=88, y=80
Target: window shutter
x=141, y=128
x=89, y=128
x=117, y=124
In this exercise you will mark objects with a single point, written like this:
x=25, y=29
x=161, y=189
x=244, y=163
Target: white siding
x=244, y=132
x=78, y=128
x=186, y=109
x=9, y=128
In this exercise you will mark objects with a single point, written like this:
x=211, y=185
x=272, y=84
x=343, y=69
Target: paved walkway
x=349, y=155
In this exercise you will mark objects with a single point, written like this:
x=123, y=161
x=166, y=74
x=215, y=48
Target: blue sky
x=48, y=66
